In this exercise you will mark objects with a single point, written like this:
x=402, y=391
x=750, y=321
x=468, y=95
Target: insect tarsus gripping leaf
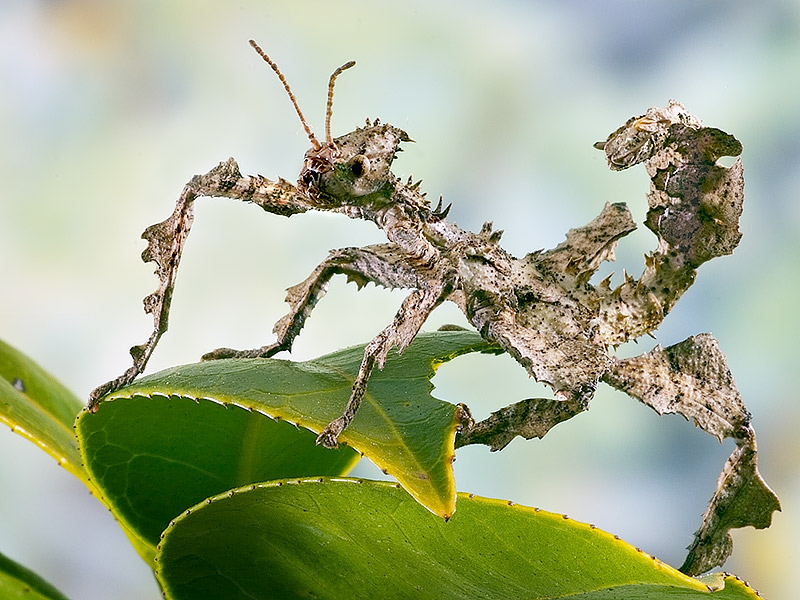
x=541, y=308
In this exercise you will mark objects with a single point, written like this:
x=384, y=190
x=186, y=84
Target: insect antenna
x=329, y=108
x=314, y=142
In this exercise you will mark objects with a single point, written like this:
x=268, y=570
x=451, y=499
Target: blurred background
x=108, y=107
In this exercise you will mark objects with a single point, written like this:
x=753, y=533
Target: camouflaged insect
x=540, y=308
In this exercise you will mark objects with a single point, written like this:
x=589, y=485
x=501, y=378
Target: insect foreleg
x=166, y=241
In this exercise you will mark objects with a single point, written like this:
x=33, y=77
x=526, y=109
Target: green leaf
x=400, y=426
x=156, y=456
x=36, y=406
x=347, y=538
x=18, y=582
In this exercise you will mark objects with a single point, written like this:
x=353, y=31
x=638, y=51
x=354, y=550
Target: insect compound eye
x=360, y=166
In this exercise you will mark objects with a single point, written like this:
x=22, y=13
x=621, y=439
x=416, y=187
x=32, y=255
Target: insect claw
x=329, y=437
x=327, y=440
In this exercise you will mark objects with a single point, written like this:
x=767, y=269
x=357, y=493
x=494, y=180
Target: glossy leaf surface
x=17, y=581
x=400, y=426
x=348, y=538
x=156, y=456
x=37, y=406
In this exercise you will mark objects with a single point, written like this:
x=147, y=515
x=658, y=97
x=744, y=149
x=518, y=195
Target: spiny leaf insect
x=542, y=308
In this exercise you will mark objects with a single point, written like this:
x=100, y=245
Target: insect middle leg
x=403, y=329
x=381, y=264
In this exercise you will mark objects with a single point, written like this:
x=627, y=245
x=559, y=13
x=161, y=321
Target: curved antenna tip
x=314, y=142
x=329, y=107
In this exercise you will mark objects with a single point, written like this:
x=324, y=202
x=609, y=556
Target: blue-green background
x=108, y=107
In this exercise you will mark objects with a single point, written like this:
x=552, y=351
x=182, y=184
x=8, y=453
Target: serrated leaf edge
x=712, y=582
x=445, y=509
